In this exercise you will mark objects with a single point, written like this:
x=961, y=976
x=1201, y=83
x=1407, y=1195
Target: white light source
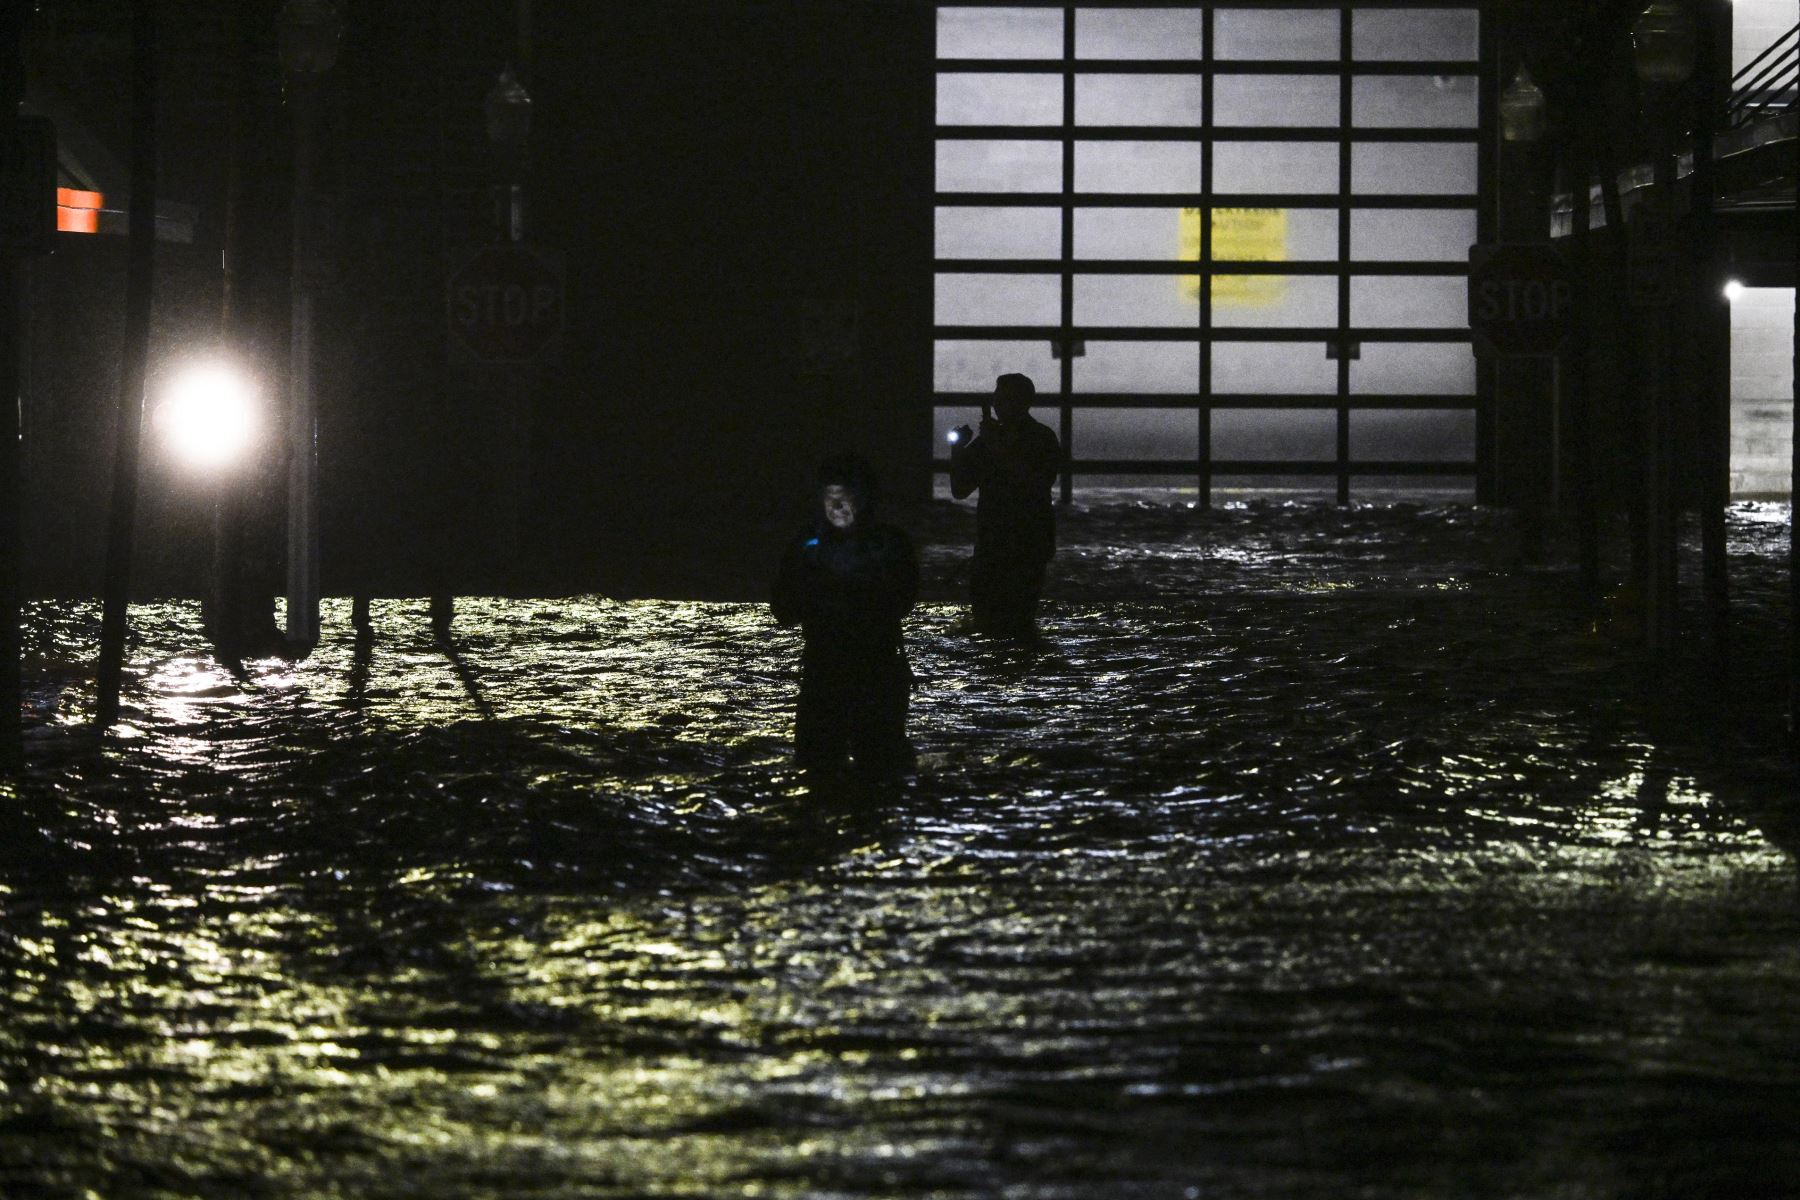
x=208, y=415
x=1733, y=289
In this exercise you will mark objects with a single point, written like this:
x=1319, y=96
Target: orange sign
x=78, y=212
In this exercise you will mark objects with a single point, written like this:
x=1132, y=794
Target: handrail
x=1772, y=87
x=1761, y=81
x=1766, y=51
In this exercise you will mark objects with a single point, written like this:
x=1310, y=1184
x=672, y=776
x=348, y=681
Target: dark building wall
x=718, y=178
x=716, y=174
x=708, y=174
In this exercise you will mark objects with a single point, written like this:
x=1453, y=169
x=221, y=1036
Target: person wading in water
x=1013, y=463
x=847, y=583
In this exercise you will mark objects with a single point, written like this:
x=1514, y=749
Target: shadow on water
x=498, y=803
x=465, y=673
x=386, y=867
x=362, y=659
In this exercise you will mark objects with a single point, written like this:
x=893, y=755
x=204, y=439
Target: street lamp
x=1522, y=109
x=1663, y=44
x=508, y=112
x=309, y=39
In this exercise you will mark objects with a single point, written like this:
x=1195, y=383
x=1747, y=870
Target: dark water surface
x=1314, y=853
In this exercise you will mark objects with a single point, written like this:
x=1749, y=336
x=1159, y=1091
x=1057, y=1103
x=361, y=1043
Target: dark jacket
x=1014, y=470
x=848, y=592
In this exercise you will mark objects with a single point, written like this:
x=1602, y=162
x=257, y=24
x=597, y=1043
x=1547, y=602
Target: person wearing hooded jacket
x=847, y=583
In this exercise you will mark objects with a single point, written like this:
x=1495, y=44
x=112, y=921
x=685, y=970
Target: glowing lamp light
x=1733, y=290
x=208, y=415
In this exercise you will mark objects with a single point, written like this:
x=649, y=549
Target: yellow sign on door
x=1238, y=235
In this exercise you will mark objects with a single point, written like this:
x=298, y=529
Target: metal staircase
x=1754, y=145
x=1766, y=86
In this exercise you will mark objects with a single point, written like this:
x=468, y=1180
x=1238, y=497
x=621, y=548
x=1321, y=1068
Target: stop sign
x=505, y=304
x=1521, y=298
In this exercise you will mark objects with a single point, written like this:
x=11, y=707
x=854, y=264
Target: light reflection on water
x=1338, y=878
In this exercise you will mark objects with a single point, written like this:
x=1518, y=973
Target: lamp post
x=1524, y=450
x=507, y=111
x=1524, y=114
x=1663, y=46
x=309, y=40
x=1708, y=315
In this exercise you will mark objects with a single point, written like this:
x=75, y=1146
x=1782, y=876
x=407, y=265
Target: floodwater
x=1312, y=854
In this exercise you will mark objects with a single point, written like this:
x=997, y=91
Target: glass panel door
x=1223, y=241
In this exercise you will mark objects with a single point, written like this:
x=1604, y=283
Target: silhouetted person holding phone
x=847, y=582
x=1013, y=463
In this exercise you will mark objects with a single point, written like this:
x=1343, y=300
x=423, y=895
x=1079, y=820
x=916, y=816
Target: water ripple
x=1314, y=852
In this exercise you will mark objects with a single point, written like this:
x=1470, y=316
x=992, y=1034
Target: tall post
x=309, y=37
x=508, y=116
x=1524, y=450
x=1632, y=377
x=12, y=339
x=1713, y=333
x=141, y=260
x=520, y=402
x=303, y=423
x=231, y=624
x=1579, y=368
x=1663, y=51
x=1794, y=514
x=1662, y=565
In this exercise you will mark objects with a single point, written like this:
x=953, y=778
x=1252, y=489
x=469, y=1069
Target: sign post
x=504, y=309
x=1522, y=306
